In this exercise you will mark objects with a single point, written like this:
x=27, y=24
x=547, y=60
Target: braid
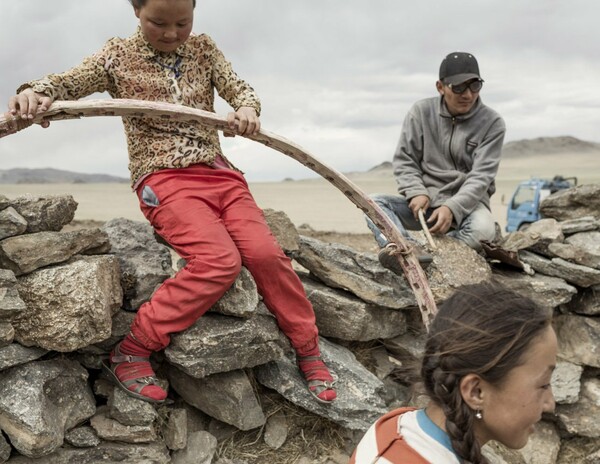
x=459, y=417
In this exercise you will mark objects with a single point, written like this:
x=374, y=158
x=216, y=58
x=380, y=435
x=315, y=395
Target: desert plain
x=316, y=203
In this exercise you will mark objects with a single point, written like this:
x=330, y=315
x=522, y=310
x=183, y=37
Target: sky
x=335, y=76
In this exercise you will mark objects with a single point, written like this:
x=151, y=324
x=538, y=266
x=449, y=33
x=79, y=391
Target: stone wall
x=67, y=297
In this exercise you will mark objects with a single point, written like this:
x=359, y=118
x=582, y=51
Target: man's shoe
x=388, y=259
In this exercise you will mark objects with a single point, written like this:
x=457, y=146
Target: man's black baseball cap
x=459, y=67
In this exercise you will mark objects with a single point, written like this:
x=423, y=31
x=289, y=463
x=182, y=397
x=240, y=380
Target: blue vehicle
x=524, y=206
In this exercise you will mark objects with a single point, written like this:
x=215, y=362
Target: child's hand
x=28, y=103
x=244, y=121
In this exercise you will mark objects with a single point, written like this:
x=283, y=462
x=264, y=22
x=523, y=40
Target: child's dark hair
x=482, y=329
x=141, y=3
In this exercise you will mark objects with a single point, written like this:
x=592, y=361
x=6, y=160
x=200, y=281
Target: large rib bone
x=138, y=108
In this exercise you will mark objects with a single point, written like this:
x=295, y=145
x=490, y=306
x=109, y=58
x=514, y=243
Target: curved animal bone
x=139, y=108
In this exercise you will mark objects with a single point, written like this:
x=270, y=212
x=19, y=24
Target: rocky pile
x=66, y=298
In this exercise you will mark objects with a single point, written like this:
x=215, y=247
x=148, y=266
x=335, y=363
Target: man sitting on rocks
x=445, y=163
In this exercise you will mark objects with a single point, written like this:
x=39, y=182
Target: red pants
x=210, y=218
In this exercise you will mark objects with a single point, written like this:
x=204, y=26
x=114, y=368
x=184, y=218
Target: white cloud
x=334, y=76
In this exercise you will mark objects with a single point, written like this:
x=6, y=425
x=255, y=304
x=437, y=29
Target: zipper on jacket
x=450, y=143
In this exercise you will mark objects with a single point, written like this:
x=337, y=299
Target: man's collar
x=461, y=117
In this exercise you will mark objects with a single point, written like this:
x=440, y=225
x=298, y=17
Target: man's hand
x=243, y=122
x=441, y=218
x=29, y=103
x=420, y=202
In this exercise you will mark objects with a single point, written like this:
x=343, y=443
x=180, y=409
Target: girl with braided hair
x=488, y=361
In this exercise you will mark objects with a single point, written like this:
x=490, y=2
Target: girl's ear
x=471, y=390
x=137, y=12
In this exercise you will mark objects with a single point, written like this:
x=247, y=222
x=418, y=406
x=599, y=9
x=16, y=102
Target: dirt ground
x=360, y=242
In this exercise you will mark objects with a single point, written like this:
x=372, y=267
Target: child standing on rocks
x=191, y=194
x=487, y=366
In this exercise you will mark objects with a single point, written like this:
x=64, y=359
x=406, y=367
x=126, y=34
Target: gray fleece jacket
x=451, y=159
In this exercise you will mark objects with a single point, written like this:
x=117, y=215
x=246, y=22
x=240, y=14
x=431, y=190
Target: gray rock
x=576, y=202
x=45, y=212
x=145, y=263
x=519, y=240
x=104, y=453
x=283, y=229
x=196, y=419
x=228, y=397
x=221, y=430
x=589, y=242
x=200, y=450
x=574, y=254
x=15, y=354
x=496, y=453
x=543, y=445
x=341, y=315
x=69, y=306
x=382, y=364
x=241, y=299
x=455, y=264
x=82, y=437
x=582, y=224
x=40, y=400
x=587, y=301
x=7, y=334
x=89, y=360
x=407, y=347
x=395, y=395
x=276, y=430
x=175, y=430
x=11, y=303
x=593, y=458
x=121, y=326
x=546, y=291
x=112, y=430
x=128, y=410
x=339, y=266
x=26, y=253
x=103, y=387
x=548, y=230
x=358, y=404
x=540, y=235
x=581, y=418
x=11, y=223
x=579, y=339
x=566, y=382
x=4, y=202
x=581, y=276
x=217, y=343
x=5, y=449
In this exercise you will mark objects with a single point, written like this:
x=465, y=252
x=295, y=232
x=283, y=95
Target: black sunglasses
x=474, y=86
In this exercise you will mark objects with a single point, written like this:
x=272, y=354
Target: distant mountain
x=385, y=166
x=527, y=147
x=54, y=176
x=548, y=145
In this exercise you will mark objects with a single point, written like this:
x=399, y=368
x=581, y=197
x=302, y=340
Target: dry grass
x=309, y=436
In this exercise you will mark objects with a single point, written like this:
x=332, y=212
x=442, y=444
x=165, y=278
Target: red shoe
x=136, y=378
x=318, y=378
